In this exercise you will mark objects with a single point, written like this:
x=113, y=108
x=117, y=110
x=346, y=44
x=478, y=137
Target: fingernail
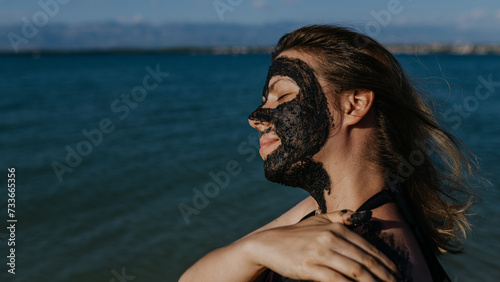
x=359, y=218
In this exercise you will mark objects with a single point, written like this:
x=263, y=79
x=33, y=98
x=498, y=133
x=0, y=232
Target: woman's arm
x=292, y=216
x=220, y=264
x=320, y=248
x=229, y=263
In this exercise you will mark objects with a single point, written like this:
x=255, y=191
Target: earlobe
x=357, y=103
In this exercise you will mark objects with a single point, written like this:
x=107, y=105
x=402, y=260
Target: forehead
x=284, y=64
x=306, y=61
x=281, y=80
x=304, y=57
x=292, y=68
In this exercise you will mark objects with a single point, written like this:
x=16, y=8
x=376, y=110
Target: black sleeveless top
x=395, y=194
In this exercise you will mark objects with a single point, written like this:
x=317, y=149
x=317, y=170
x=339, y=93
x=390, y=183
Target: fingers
x=358, y=218
x=352, y=269
x=363, y=251
x=353, y=219
x=349, y=218
x=362, y=266
x=338, y=253
x=326, y=275
x=338, y=216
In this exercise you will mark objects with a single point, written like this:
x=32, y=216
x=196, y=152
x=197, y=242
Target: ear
x=356, y=104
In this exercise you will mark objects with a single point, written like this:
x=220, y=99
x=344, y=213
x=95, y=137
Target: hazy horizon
x=104, y=24
x=114, y=35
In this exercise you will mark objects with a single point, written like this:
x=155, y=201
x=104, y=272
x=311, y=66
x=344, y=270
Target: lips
x=266, y=142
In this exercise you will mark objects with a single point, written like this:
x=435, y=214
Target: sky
x=461, y=14
x=35, y=24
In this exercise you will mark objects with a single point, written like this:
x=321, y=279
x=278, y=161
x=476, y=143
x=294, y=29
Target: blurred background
x=126, y=123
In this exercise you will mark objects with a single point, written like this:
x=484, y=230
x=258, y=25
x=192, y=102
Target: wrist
x=251, y=250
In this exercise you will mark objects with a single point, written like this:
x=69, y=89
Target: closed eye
x=284, y=96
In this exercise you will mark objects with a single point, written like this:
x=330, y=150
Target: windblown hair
x=436, y=170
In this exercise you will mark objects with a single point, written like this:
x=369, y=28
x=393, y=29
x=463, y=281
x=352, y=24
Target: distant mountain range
x=112, y=35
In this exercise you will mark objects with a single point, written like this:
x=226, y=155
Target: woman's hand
x=320, y=248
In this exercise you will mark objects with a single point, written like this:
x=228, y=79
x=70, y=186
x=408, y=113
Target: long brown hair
x=437, y=171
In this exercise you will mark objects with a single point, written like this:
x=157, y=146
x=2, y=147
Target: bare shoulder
x=389, y=232
x=292, y=216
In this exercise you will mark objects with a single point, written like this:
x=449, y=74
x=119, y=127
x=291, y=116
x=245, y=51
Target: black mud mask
x=303, y=126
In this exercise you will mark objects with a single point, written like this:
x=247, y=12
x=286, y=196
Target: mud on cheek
x=302, y=125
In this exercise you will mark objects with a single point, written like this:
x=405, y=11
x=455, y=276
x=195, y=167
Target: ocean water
x=100, y=176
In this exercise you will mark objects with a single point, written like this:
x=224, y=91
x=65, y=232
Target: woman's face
x=294, y=119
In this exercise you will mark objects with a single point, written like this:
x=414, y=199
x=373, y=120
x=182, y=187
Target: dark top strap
x=395, y=194
x=377, y=200
x=437, y=271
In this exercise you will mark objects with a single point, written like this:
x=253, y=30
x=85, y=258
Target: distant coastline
x=436, y=48
x=408, y=49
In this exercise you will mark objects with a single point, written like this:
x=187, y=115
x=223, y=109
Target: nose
x=260, y=119
x=261, y=126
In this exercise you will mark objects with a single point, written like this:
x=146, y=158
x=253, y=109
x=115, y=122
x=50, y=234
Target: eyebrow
x=271, y=87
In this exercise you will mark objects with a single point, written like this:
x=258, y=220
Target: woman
x=340, y=119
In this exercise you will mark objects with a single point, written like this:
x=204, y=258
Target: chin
x=277, y=169
x=264, y=154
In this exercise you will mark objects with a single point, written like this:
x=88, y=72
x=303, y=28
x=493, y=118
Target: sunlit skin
x=301, y=121
x=344, y=156
x=320, y=248
x=281, y=89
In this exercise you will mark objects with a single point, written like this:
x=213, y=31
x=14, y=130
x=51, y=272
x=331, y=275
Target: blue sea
x=112, y=151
